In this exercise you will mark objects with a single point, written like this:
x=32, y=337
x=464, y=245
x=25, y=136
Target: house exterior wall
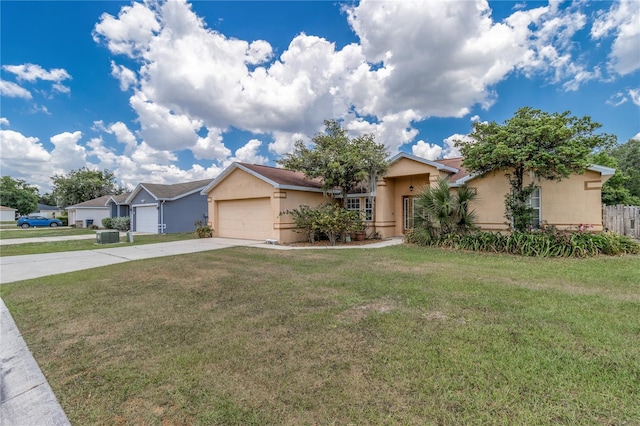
x=240, y=185
x=116, y=210
x=8, y=215
x=181, y=215
x=142, y=198
x=566, y=204
x=91, y=213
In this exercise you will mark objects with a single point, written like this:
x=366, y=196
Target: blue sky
x=169, y=92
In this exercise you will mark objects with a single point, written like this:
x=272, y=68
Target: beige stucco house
x=246, y=200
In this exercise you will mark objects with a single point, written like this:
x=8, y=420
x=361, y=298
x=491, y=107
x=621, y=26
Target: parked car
x=28, y=221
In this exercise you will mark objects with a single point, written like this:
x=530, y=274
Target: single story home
x=245, y=200
x=159, y=209
x=48, y=211
x=88, y=213
x=118, y=206
x=7, y=214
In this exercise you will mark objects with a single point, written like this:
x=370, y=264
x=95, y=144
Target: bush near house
x=107, y=222
x=121, y=223
x=548, y=242
x=327, y=219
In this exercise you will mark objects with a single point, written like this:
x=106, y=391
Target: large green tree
x=82, y=185
x=531, y=143
x=17, y=194
x=628, y=157
x=343, y=163
x=615, y=190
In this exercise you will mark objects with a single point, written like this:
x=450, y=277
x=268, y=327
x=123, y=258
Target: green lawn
x=89, y=244
x=402, y=335
x=16, y=232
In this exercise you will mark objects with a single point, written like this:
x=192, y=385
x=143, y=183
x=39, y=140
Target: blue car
x=28, y=221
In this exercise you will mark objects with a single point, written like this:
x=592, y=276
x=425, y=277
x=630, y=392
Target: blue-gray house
x=167, y=209
x=118, y=206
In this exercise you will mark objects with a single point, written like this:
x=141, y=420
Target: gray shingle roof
x=169, y=192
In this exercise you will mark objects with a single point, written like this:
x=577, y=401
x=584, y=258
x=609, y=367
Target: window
x=353, y=204
x=363, y=205
x=368, y=209
x=534, y=203
x=408, y=212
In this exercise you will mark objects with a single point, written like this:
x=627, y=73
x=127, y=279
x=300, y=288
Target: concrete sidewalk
x=25, y=395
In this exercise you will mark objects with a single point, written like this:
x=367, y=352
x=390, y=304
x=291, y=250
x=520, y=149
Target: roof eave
x=438, y=166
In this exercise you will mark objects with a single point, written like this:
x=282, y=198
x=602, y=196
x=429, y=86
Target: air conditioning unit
x=107, y=237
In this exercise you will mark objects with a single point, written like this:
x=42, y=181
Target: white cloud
x=161, y=128
x=12, y=90
x=125, y=76
x=450, y=150
x=32, y=73
x=211, y=147
x=25, y=158
x=426, y=150
x=637, y=136
x=617, y=99
x=68, y=153
x=130, y=33
x=623, y=20
x=248, y=154
x=4, y=121
x=635, y=96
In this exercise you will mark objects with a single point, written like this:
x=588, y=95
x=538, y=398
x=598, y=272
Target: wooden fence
x=623, y=220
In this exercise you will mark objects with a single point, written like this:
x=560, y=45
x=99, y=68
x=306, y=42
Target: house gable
x=405, y=164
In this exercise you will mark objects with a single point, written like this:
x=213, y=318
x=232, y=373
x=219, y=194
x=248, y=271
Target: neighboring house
x=48, y=211
x=88, y=213
x=161, y=209
x=118, y=206
x=7, y=214
x=245, y=201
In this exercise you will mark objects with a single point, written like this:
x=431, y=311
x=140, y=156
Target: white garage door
x=246, y=219
x=147, y=219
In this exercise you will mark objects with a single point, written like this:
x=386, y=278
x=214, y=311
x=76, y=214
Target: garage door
x=246, y=219
x=147, y=219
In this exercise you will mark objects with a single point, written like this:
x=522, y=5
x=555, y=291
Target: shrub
x=543, y=243
x=203, y=230
x=107, y=222
x=329, y=219
x=121, y=223
x=65, y=220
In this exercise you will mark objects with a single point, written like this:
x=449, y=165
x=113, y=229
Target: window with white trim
x=368, y=209
x=535, y=203
x=353, y=204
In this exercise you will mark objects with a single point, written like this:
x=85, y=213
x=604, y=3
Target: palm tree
x=439, y=211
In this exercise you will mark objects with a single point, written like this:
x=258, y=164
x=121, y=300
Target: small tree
x=341, y=162
x=441, y=212
x=17, y=194
x=534, y=143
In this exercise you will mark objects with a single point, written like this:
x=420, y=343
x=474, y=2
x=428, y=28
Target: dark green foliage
x=531, y=143
x=549, y=242
x=17, y=194
x=615, y=190
x=628, y=156
x=341, y=162
x=440, y=211
x=107, y=222
x=327, y=219
x=82, y=185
